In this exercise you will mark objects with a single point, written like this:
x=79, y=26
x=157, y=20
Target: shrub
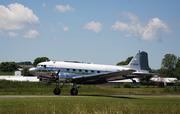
x=127, y=85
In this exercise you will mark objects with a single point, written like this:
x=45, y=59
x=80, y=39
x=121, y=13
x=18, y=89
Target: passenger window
x=80, y=70
x=74, y=69
x=98, y=72
x=86, y=70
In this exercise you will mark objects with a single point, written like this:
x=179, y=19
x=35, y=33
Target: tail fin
x=140, y=61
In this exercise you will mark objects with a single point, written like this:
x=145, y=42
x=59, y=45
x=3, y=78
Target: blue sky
x=100, y=31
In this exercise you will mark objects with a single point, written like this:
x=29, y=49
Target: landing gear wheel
x=57, y=91
x=74, y=91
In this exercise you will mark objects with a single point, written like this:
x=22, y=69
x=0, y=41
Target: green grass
x=6, y=73
x=90, y=105
x=92, y=99
x=29, y=88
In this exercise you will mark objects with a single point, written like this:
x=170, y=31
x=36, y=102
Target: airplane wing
x=143, y=73
x=100, y=78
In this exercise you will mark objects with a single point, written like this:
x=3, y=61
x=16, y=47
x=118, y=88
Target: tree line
x=170, y=65
x=13, y=66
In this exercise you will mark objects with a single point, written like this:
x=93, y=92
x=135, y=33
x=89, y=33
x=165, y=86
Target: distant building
x=164, y=81
x=159, y=80
x=17, y=73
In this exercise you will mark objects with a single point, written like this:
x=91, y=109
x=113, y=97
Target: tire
x=74, y=91
x=57, y=91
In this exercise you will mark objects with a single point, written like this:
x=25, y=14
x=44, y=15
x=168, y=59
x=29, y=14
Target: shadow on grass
x=112, y=96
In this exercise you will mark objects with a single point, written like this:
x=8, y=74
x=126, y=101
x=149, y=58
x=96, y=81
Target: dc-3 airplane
x=62, y=72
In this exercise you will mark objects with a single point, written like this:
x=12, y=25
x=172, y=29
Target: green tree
x=40, y=59
x=8, y=66
x=125, y=62
x=25, y=72
x=177, y=69
x=169, y=61
x=168, y=65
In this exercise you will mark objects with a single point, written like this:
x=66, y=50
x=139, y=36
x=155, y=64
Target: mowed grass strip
x=90, y=105
x=37, y=88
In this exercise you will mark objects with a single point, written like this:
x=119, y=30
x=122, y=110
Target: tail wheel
x=57, y=91
x=74, y=91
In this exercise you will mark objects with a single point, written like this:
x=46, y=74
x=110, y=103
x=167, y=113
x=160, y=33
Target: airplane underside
x=74, y=89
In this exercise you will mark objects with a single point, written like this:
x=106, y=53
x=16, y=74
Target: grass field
x=6, y=73
x=92, y=99
x=29, y=88
x=90, y=105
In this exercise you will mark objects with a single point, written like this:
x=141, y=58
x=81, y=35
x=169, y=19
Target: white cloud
x=120, y=26
x=12, y=34
x=153, y=27
x=64, y=8
x=130, y=16
x=31, y=34
x=65, y=28
x=94, y=26
x=16, y=16
x=149, y=31
x=15, y=19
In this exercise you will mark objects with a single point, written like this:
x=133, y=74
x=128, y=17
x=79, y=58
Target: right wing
x=100, y=78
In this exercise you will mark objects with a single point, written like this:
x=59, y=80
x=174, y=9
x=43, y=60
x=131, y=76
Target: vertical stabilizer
x=140, y=61
x=135, y=62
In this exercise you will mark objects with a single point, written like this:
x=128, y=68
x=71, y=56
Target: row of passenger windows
x=80, y=70
x=74, y=70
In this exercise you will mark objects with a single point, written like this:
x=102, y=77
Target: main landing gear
x=57, y=90
x=60, y=84
x=73, y=91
